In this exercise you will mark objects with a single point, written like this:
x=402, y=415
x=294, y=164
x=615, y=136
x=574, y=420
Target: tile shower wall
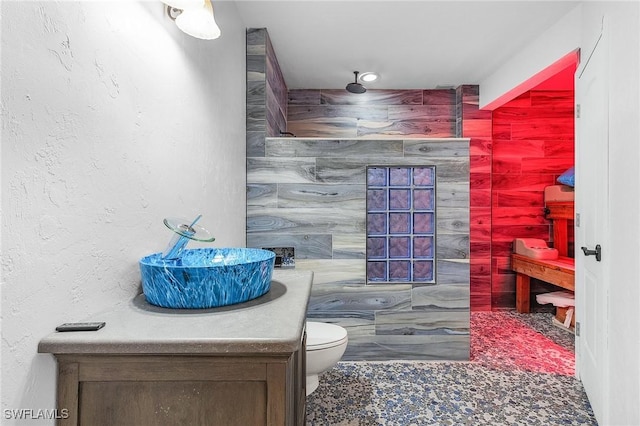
x=310, y=193
x=376, y=113
x=266, y=92
x=408, y=114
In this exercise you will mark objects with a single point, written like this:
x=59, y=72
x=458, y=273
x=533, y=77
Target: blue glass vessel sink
x=207, y=277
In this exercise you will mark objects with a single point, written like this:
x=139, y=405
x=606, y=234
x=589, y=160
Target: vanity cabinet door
x=181, y=390
x=173, y=403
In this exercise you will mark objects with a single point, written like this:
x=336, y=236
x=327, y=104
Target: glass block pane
x=423, y=176
x=399, y=176
x=423, y=270
x=423, y=247
x=399, y=270
x=376, y=248
x=398, y=199
x=377, y=176
x=377, y=271
x=399, y=223
x=399, y=247
x=423, y=199
x=376, y=223
x=401, y=203
x=423, y=223
x=377, y=199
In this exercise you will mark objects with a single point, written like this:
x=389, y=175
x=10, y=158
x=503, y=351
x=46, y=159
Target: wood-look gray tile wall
x=374, y=114
x=266, y=92
x=256, y=91
x=309, y=192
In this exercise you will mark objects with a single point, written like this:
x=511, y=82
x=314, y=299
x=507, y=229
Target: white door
x=592, y=179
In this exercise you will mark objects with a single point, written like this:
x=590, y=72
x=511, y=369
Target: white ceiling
x=415, y=44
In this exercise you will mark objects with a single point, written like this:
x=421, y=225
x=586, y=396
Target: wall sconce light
x=194, y=17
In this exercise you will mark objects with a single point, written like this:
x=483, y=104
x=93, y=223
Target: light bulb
x=199, y=22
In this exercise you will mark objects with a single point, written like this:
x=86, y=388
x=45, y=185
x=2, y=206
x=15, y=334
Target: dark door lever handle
x=597, y=252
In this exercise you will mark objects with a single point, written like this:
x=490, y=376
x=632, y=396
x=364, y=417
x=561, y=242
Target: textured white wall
x=112, y=119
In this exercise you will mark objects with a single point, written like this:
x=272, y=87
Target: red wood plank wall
x=476, y=125
x=533, y=143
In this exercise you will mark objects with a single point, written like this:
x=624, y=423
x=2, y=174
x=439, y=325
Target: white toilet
x=326, y=344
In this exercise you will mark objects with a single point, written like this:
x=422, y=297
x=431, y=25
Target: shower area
x=374, y=192
x=388, y=242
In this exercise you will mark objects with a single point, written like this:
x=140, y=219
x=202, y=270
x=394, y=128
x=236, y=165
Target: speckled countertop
x=269, y=324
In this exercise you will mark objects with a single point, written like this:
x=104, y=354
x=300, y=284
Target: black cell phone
x=80, y=326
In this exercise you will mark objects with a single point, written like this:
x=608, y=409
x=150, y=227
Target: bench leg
x=523, y=293
x=560, y=237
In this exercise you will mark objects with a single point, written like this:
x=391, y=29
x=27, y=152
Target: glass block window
x=401, y=224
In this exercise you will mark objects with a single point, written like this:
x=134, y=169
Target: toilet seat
x=323, y=336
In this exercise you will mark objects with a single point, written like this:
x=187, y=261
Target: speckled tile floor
x=521, y=373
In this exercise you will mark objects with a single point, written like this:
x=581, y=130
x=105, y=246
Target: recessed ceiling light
x=368, y=77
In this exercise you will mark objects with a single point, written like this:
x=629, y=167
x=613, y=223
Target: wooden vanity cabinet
x=153, y=390
x=242, y=365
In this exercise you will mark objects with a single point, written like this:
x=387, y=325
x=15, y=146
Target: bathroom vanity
x=236, y=365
